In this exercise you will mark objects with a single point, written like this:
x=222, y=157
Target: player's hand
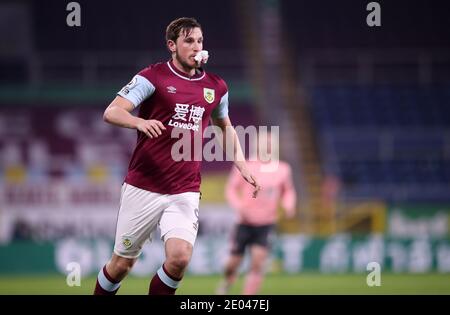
x=251, y=180
x=152, y=127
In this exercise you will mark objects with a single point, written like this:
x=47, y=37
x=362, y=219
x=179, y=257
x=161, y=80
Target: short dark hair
x=179, y=25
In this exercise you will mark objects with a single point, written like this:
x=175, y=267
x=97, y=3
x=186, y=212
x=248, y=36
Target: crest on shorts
x=209, y=95
x=127, y=243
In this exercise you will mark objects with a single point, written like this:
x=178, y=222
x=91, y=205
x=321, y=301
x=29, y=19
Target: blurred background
x=364, y=117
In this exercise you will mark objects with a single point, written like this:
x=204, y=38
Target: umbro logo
x=172, y=89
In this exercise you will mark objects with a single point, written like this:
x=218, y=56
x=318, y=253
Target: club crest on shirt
x=126, y=243
x=209, y=95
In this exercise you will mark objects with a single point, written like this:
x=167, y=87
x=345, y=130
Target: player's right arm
x=119, y=113
x=129, y=97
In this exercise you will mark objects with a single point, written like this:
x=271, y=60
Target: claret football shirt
x=169, y=95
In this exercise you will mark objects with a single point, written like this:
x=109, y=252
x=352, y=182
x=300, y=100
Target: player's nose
x=197, y=47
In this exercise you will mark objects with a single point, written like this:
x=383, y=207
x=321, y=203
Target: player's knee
x=256, y=270
x=256, y=267
x=179, y=261
x=229, y=271
x=123, y=266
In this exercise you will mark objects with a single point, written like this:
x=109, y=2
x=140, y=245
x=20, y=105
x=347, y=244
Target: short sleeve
x=139, y=89
x=221, y=110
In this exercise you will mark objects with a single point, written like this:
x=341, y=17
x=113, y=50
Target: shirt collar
x=199, y=73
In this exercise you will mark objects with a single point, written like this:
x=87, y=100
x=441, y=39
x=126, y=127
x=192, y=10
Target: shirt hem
x=161, y=191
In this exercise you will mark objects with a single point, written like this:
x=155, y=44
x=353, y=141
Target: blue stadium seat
x=386, y=135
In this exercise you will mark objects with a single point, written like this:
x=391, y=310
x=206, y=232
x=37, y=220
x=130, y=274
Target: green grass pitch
x=308, y=283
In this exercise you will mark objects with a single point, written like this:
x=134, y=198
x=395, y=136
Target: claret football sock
x=163, y=283
x=105, y=284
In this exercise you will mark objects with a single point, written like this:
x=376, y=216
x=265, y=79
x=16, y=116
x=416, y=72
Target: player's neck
x=187, y=70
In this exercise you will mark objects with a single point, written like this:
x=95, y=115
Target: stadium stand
x=387, y=142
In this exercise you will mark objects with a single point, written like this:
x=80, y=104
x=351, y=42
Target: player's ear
x=171, y=46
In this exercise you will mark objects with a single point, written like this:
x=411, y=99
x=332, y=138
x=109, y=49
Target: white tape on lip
x=202, y=56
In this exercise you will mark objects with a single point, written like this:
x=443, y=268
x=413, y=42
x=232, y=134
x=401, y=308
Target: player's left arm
x=232, y=148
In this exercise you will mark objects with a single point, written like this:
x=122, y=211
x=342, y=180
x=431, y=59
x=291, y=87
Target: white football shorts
x=141, y=211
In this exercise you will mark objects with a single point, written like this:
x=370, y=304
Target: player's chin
x=193, y=63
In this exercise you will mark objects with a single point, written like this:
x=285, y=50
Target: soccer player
x=159, y=190
x=256, y=218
